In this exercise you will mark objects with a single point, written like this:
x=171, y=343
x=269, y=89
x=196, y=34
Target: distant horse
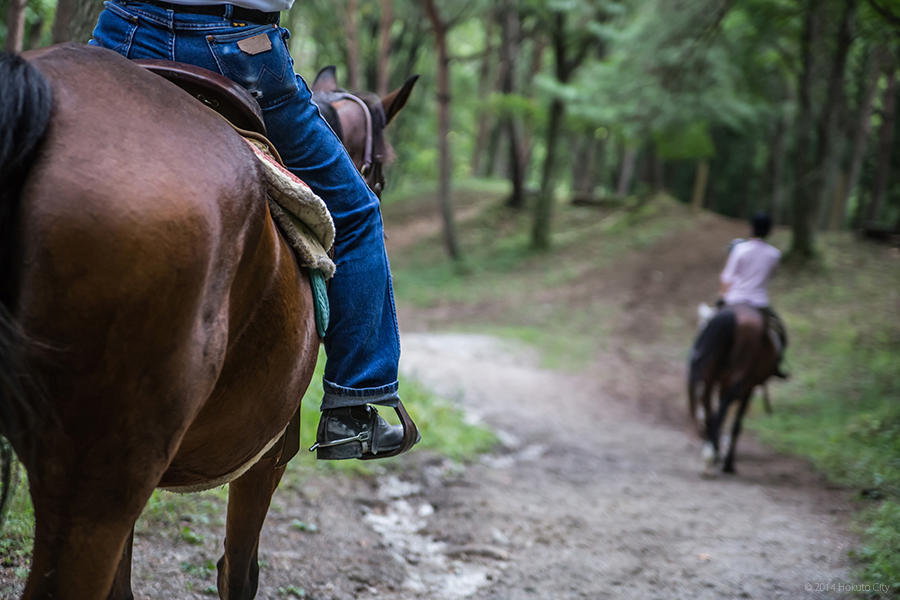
x=155, y=329
x=732, y=355
x=359, y=121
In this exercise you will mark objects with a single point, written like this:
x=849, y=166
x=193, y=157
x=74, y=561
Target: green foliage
x=842, y=408
x=38, y=22
x=16, y=537
x=292, y=591
x=689, y=141
x=881, y=531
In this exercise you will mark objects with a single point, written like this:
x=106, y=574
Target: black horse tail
x=713, y=344
x=25, y=107
x=710, y=349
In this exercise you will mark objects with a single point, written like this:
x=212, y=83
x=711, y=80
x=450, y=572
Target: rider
x=745, y=278
x=243, y=42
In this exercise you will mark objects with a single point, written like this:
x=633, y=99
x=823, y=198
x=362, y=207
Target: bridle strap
x=367, y=153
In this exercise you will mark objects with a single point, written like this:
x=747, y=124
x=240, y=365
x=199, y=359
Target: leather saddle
x=216, y=91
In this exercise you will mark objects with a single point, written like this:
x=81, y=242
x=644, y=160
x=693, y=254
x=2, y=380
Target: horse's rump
x=156, y=280
x=713, y=344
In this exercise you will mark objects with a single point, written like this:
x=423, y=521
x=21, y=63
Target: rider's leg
x=776, y=325
x=362, y=341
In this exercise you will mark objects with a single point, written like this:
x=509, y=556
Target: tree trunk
x=776, y=169
x=584, y=167
x=804, y=200
x=540, y=232
x=484, y=89
x=351, y=32
x=443, y=98
x=382, y=75
x=861, y=139
x=75, y=20
x=516, y=166
x=700, y=180
x=527, y=129
x=493, y=151
x=33, y=35
x=626, y=173
x=659, y=172
x=565, y=66
x=509, y=49
x=15, y=20
x=838, y=203
x=885, y=145
x=826, y=153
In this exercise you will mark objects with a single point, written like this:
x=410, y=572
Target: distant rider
x=745, y=278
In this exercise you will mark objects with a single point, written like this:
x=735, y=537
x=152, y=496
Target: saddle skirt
x=301, y=215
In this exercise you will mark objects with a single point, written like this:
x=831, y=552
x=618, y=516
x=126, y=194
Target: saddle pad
x=301, y=215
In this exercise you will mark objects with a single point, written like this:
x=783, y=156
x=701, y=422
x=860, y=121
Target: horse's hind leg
x=248, y=502
x=121, y=588
x=76, y=552
x=728, y=466
x=711, y=427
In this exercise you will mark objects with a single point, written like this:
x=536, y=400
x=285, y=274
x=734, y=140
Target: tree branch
x=886, y=14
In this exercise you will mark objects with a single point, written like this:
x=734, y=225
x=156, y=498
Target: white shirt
x=747, y=272
x=263, y=5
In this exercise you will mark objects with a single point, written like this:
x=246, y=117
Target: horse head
x=359, y=121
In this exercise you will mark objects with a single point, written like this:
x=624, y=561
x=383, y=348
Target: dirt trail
x=593, y=502
x=586, y=498
x=594, y=493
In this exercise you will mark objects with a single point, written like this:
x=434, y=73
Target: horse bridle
x=371, y=168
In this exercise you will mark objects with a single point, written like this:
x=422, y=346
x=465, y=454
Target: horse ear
x=396, y=100
x=326, y=80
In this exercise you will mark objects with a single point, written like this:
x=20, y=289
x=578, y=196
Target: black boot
x=356, y=432
x=779, y=372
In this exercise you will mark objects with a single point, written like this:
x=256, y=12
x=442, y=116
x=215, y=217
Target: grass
x=512, y=289
x=842, y=409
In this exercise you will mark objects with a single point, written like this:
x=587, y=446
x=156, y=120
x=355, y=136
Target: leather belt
x=238, y=13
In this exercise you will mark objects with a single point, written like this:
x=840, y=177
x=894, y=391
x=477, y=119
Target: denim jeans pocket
x=258, y=59
x=115, y=29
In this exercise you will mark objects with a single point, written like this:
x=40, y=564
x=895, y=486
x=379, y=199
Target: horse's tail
x=712, y=346
x=25, y=107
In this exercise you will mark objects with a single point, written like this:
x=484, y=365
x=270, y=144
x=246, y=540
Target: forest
x=567, y=176
x=777, y=105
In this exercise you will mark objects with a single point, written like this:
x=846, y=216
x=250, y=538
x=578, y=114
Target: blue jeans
x=362, y=343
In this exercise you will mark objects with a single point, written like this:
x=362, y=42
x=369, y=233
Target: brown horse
x=155, y=329
x=359, y=121
x=732, y=355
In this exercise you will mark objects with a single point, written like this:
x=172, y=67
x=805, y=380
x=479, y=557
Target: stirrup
x=410, y=431
x=363, y=447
